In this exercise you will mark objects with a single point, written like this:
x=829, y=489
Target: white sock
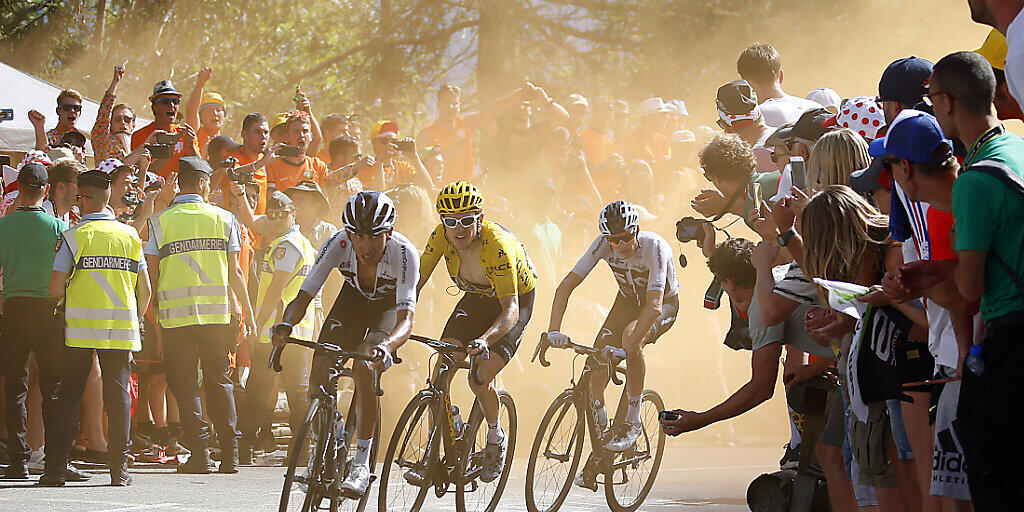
x=601, y=414
x=494, y=433
x=362, y=456
x=794, y=432
x=633, y=412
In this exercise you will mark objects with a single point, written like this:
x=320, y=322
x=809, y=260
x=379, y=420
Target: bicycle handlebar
x=444, y=347
x=335, y=352
x=540, y=353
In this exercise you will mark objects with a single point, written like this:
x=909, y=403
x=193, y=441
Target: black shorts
x=353, y=316
x=625, y=310
x=475, y=313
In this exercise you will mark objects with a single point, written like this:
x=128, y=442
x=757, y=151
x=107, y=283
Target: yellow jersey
x=508, y=266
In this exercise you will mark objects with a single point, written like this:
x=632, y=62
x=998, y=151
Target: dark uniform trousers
x=260, y=386
x=116, y=372
x=184, y=349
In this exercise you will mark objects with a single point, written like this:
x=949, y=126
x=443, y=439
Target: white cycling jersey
x=649, y=268
x=397, y=272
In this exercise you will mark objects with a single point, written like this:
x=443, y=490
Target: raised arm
x=194, y=99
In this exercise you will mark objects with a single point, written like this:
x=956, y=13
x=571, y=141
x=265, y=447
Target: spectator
x=828, y=98
x=63, y=190
x=69, y=109
x=112, y=132
x=1003, y=16
x=648, y=142
x=388, y=172
x=164, y=102
x=994, y=50
x=578, y=108
x=598, y=140
x=761, y=66
x=904, y=84
x=204, y=111
x=29, y=328
x=286, y=171
x=729, y=164
x=255, y=134
x=835, y=156
x=346, y=164
x=332, y=125
x=677, y=116
x=738, y=113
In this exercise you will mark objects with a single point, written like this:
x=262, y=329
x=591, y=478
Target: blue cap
x=913, y=135
x=905, y=81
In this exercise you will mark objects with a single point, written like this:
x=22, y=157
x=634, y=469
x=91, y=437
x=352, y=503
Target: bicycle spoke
x=634, y=470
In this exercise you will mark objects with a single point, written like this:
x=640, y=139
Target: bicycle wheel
x=349, y=504
x=630, y=475
x=412, y=446
x=306, y=459
x=555, y=455
x=471, y=493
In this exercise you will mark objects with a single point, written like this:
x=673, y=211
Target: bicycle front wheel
x=306, y=460
x=555, y=455
x=345, y=458
x=409, y=464
x=630, y=475
x=471, y=493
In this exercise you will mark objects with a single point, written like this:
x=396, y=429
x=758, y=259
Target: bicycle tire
x=414, y=413
x=556, y=412
x=351, y=420
x=468, y=445
x=651, y=404
x=295, y=453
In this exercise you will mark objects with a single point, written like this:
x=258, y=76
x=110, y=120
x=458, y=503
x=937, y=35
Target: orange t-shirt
x=651, y=150
x=596, y=146
x=140, y=135
x=456, y=149
x=260, y=176
x=397, y=173
x=202, y=139
x=283, y=174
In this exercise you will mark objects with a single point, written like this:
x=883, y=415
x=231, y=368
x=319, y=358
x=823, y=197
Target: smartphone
x=160, y=151
x=404, y=145
x=6, y=114
x=168, y=139
x=668, y=416
x=289, y=151
x=799, y=172
x=713, y=296
x=156, y=185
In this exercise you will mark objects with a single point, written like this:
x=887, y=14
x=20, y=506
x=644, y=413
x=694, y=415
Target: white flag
x=842, y=297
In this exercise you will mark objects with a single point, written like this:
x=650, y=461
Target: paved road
x=692, y=478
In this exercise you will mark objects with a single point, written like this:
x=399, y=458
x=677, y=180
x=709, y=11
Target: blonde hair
x=840, y=229
x=837, y=154
x=68, y=93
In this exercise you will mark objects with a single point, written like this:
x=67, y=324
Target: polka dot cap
x=109, y=165
x=862, y=115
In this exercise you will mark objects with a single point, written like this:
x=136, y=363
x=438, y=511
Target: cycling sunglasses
x=621, y=239
x=452, y=222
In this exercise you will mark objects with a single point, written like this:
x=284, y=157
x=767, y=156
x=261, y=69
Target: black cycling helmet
x=618, y=217
x=370, y=213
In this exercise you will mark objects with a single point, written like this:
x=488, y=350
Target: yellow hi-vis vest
x=193, y=284
x=304, y=329
x=101, y=310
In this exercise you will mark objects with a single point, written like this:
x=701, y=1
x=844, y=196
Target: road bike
x=433, y=448
x=557, y=448
x=318, y=460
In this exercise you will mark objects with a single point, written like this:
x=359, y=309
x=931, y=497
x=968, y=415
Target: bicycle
x=570, y=418
x=323, y=441
x=430, y=424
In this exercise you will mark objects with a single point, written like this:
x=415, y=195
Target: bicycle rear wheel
x=306, y=460
x=637, y=467
x=555, y=455
x=413, y=446
x=471, y=493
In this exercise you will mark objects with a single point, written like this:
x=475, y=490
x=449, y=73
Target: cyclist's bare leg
x=636, y=367
x=367, y=402
x=486, y=371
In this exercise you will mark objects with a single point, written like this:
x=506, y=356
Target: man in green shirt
x=29, y=236
x=988, y=214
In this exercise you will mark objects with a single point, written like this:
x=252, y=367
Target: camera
x=690, y=229
x=160, y=151
x=289, y=151
x=236, y=174
x=6, y=114
x=404, y=145
x=131, y=198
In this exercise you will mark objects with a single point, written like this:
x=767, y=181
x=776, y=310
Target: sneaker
x=625, y=439
x=416, y=476
x=119, y=476
x=357, y=481
x=791, y=458
x=73, y=474
x=587, y=478
x=198, y=464
x=16, y=471
x=49, y=480
x=493, y=460
x=36, y=462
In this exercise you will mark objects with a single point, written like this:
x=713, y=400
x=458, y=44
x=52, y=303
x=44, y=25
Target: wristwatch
x=783, y=238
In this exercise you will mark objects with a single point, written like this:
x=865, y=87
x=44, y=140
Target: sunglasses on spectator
x=621, y=239
x=167, y=101
x=67, y=107
x=452, y=222
x=352, y=118
x=279, y=214
x=124, y=119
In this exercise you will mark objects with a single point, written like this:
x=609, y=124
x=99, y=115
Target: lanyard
x=983, y=139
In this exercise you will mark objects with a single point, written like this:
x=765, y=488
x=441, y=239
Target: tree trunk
x=388, y=65
x=495, y=40
x=101, y=21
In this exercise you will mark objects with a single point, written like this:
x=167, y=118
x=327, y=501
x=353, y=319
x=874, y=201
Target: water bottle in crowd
x=456, y=420
x=974, y=361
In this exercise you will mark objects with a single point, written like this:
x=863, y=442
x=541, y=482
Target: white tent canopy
x=23, y=92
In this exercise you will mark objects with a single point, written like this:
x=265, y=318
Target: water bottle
x=974, y=361
x=339, y=435
x=456, y=420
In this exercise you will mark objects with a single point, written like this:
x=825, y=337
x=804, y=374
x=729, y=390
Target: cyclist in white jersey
x=373, y=311
x=645, y=307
